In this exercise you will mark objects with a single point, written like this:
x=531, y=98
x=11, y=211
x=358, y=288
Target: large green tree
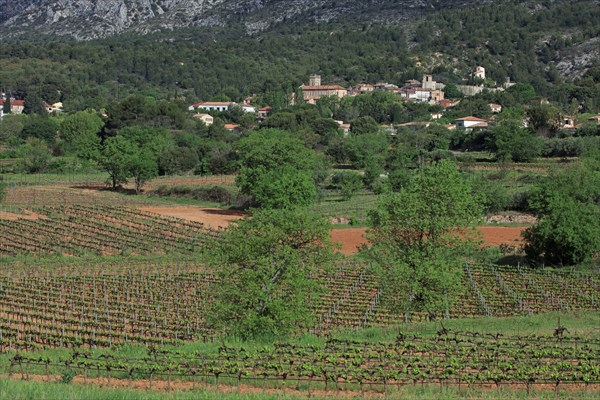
x=419, y=237
x=134, y=152
x=81, y=133
x=567, y=205
x=274, y=163
x=268, y=267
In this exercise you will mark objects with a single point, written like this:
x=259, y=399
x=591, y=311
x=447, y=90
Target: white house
x=479, y=72
x=211, y=106
x=206, y=118
x=496, y=108
x=248, y=108
x=471, y=122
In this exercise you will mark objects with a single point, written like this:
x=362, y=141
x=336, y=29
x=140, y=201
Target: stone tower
x=428, y=82
x=315, y=80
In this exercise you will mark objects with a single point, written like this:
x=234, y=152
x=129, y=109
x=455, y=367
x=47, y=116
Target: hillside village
x=426, y=91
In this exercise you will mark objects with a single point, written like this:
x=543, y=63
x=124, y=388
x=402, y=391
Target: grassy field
x=25, y=390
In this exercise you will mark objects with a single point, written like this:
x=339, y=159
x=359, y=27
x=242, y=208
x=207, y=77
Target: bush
x=217, y=194
x=348, y=183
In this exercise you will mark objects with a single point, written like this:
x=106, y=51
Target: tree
x=419, y=237
x=544, y=119
x=34, y=105
x=348, y=183
x=568, y=211
x=11, y=126
x=114, y=159
x=364, y=125
x=42, y=127
x=81, y=133
x=34, y=156
x=285, y=187
x=268, y=268
x=270, y=157
x=6, y=107
x=513, y=142
x=142, y=166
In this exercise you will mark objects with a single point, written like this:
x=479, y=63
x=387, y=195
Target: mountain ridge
x=92, y=19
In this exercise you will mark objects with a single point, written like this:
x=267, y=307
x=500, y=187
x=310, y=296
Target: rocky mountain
x=89, y=19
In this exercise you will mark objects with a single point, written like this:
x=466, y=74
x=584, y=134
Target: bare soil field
x=350, y=239
x=212, y=217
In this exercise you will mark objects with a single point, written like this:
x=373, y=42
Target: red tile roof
x=470, y=118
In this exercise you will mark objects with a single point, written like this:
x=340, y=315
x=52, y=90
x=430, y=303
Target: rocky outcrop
x=89, y=19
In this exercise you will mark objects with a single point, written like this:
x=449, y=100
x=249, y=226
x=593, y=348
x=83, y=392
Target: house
x=364, y=88
x=412, y=83
x=446, y=103
x=248, y=108
x=436, y=115
x=344, y=127
x=408, y=93
x=479, y=72
x=496, y=108
x=206, y=118
x=263, y=113
x=436, y=96
x=385, y=86
x=568, y=122
x=211, y=106
x=314, y=90
x=422, y=95
x=16, y=106
x=471, y=122
x=232, y=127
x=56, y=107
x=595, y=119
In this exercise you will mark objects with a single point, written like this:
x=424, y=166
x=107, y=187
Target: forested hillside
x=529, y=42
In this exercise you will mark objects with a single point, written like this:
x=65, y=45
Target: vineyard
x=101, y=230
x=165, y=302
x=127, y=306
x=450, y=358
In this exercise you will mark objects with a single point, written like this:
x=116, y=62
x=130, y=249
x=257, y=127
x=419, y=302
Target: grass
x=584, y=324
x=23, y=390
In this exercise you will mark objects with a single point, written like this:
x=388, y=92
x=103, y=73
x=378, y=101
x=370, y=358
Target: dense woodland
x=510, y=39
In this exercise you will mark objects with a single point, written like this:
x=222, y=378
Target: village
x=426, y=91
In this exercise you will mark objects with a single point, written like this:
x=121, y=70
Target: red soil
x=349, y=238
x=352, y=238
x=212, y=217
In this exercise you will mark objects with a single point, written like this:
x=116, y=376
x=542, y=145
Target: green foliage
x=513, y=142
x=274, y=162
x=142, y=166
x=348, y=183
x=11, y=126
x=114, y=156
x=81, y=134
x=419, y=236
x=567, y=205
x=366, y=149
x=544, y=119
x=42, y=127
x=268, y=266
x=284, y=187
x=34, y=156
x=2, y=190
x=452, y=92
